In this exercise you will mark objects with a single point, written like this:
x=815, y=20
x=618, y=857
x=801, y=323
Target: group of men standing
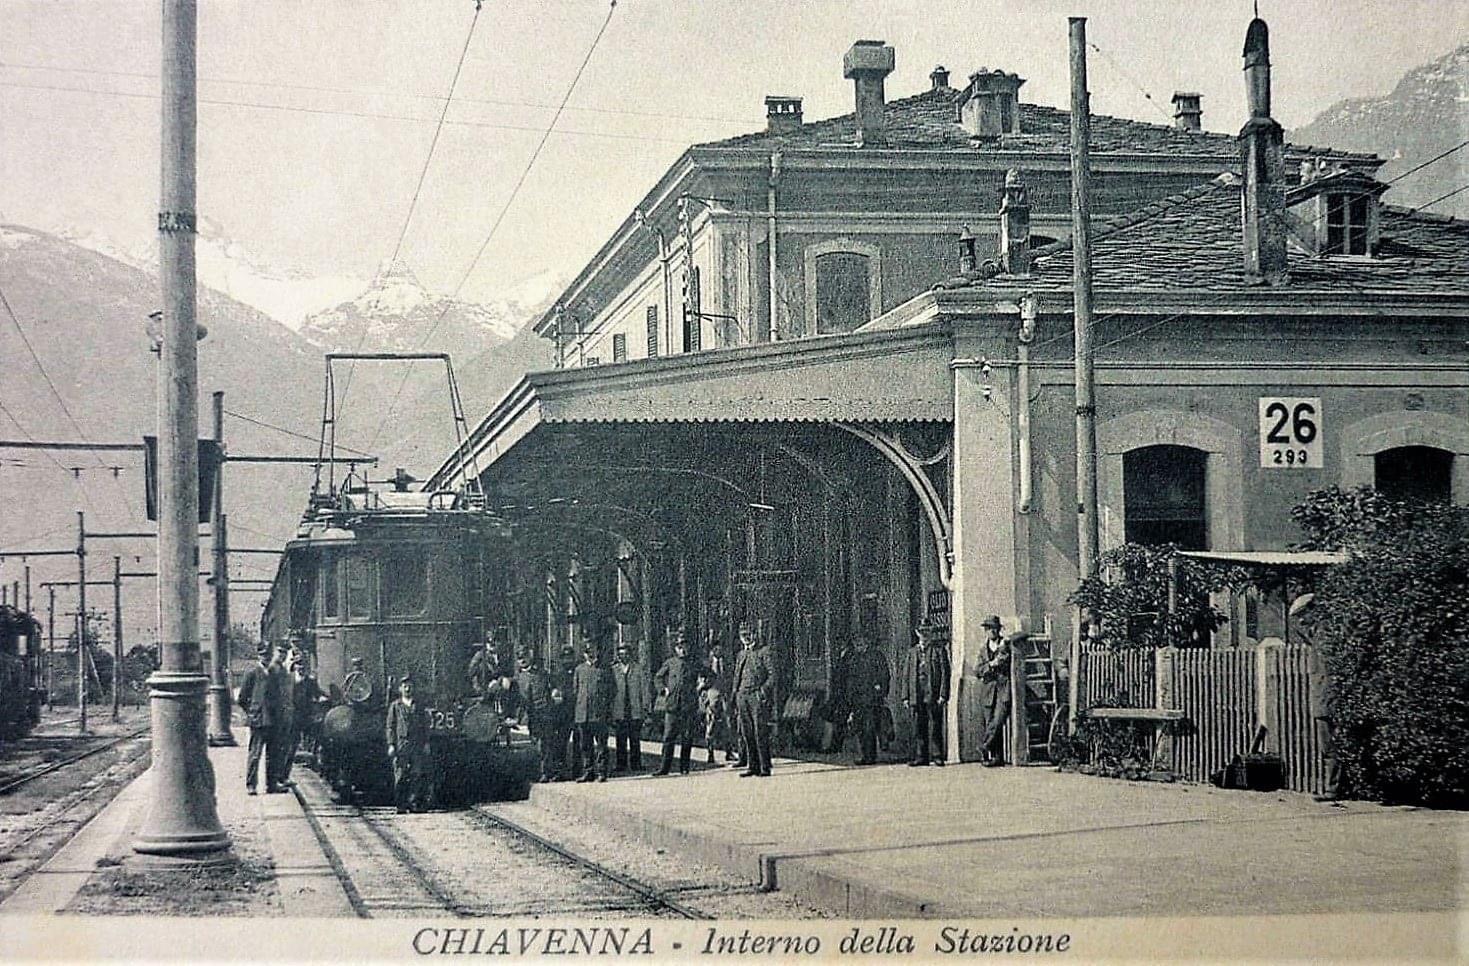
x=280, y=698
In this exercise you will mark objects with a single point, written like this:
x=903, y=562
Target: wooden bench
x=1151, y=716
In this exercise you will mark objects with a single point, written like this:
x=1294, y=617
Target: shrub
x=1393, y=626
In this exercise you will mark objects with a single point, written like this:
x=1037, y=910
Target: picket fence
x=1224, y=694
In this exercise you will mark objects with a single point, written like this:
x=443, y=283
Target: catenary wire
x=288, y=432
x=500, y=218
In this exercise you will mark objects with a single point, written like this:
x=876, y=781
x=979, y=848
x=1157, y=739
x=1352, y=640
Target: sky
x=317, y=118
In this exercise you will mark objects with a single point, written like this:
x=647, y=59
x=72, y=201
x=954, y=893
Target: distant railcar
x=377, y=585
x=20, y=691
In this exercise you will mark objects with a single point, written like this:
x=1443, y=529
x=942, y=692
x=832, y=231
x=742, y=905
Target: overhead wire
x=61, y=401
x=288, y=432
x=500, y=218
x=418, y=189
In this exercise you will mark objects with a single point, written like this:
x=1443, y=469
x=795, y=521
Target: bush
x=1393, y=627
x=1127, y=597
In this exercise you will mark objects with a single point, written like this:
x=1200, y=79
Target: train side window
x=405, y=584
x=359, y=587
x=331, y=604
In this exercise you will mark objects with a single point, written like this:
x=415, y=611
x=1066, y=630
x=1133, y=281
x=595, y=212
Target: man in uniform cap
x=677, y=682
x=868, y=679
x=406, y=732
x=993, y=671
x=630, y=704
x=262, y=703
x=924, y=689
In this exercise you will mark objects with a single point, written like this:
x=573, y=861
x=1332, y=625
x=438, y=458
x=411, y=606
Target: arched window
x=1418, y=473
x=842, y=295
x=1163, y=494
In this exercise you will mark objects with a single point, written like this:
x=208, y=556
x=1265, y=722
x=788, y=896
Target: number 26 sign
x=1290, y=432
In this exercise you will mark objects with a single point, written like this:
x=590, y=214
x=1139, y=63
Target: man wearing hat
x=993, y=671
x=277, y=755
x=406, y=732
x=630, y=704
x=868, y=679
x=754, y=679
x=677, y=682
x=537, y=712
x=924, y=690
x=262, y=703
x=591, y=686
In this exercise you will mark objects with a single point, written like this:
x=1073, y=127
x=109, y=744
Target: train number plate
x=444, y=720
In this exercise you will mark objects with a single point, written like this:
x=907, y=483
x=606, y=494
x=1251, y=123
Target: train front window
x=331, y=604
x=359, y=587
x=405, y=584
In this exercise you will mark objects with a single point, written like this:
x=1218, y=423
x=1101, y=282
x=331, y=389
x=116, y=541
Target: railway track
x=10, y=785
x=467, y=864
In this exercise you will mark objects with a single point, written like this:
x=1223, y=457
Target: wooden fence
x=1224, y=694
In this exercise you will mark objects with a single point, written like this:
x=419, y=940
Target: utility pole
x=219, y=688
x=82, y=619
x=116, y=638
x=181, y=818
x=28, y=587
x=50, y=648
x=1086, y=400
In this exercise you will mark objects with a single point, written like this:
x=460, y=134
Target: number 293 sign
x=1290, y=432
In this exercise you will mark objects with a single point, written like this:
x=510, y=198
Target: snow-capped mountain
x=1426, y=114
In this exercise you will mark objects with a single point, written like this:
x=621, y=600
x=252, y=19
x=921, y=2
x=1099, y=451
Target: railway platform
x=891, y=841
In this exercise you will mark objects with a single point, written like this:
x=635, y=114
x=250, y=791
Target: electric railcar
x=21, y=693
x=379, y=583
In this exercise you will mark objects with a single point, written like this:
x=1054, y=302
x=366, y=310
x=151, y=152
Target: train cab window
x=331, y=603
x=358, y=572
x=405, y=584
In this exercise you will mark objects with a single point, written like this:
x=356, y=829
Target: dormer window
x=1347, y=220
x=1333, y=213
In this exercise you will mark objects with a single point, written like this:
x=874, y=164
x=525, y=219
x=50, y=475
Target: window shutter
x=619, y=347
x=652, y=332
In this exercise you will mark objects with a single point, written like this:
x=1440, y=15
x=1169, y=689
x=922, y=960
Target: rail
x=55, y=766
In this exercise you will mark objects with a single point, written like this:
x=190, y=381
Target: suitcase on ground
x=1256, y=771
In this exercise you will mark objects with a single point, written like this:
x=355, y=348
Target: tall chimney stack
x=939, y=77
x=1014, y=225
x=867, y=64
x=782, y=114
x=1262, y=151
x=1188, y=111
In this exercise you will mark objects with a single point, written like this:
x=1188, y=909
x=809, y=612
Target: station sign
x=1290, y=432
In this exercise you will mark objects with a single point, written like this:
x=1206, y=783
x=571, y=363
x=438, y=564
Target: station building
x=864, y=417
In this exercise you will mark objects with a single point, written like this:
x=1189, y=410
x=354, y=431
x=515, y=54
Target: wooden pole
x=116, y=638
x=50, y=648
x=1086, y=411
x=219, y=689
x=181, y=817
x=81, y=624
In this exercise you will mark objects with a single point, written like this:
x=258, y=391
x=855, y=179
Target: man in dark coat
x=714, y=703
x=262, y=703
x=630, y=704
x=306, y=701
x=591, y=707
x=677, y=683
x=868, y=680
x=277, y=754
x=567, y=741
x=1322, y=698
x=483, y=668
x=754, y=683
x=538, y=714
x=993, y=671
x=924, y=689
x=406, y=732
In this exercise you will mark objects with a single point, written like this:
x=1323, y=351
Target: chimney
x=782, y=114
x=867, y=63
x=939, y=77
x=968, y=255
x=1188, y=113
x=1014, y=225
x=1262, y=151
x=990, y=105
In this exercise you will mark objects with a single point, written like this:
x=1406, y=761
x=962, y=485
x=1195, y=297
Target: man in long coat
x=924, y=689
x=277, y=756
x=993, y=671
x=591, y=685
x=868, y=680
x=262, y=703
x=630, y=704
x=538, y=714
x=406, y=731
x=677, y=684
x=754, y=684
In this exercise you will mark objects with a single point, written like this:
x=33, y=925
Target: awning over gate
x=860, y=377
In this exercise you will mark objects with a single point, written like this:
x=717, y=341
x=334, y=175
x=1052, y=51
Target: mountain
x=1426, y=114
x=83, y=315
